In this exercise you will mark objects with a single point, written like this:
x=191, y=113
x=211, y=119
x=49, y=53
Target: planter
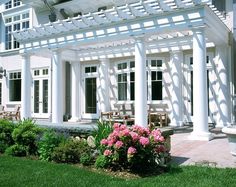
x=231, y=134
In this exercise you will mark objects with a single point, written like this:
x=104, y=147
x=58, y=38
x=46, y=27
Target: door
x=91, y=97
x=40, y=98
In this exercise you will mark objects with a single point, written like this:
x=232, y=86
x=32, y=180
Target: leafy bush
x=103, y=130
x=47, y=143
x=26, y=134
x=16, y=150
x=102, y=162
x=134, y=148
x=6, y=129
x=70, y=151
x=86, y=159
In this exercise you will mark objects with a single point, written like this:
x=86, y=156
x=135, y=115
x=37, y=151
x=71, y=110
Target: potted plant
x=230, y=131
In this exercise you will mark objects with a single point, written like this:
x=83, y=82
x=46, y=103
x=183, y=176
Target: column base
x=202, y=136
x=74, y=119
x=176, y=124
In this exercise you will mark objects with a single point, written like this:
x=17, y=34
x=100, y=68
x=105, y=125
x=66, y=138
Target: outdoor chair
x=1, y=111
x=15, y=114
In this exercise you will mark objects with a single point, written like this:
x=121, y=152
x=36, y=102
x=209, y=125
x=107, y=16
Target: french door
x=90, y=84
x=40, y=98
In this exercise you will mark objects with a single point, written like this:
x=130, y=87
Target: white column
x=57, y=88
x=25, y=87
x=75, y=91
x=200, y=105
x=176, y=60
x=140, y=83
x=103, y=92
x=223, y=99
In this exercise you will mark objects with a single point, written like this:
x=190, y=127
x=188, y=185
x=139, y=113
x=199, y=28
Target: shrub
x=26, y=134
x=47, y=143
x=86, y=159
x=103, y=130
x=134, y=148
x=16, y=150
x=6, y=129
x=102, y=162
x=70, y=151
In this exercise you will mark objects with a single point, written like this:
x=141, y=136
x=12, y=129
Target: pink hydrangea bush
x=135, y=146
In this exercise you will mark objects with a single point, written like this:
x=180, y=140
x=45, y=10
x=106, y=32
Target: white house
x=81, y=57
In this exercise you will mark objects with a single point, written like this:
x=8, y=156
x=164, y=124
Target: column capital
x=104, y=60
x=25, y=55
x=173, y=52
x=55, y=50
x=199, y=29
x=140, y=38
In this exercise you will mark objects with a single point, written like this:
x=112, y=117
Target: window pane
x=132, y=64
x=15, y=90
x=132, y=91
x=159, y=75
x=93, y=69
x=132, y=77
x=122, y=66
x=153, y=63
x=154, y=75
x=122, y=86
x=159, y=63
x=122, y=91
x=87, y=69
x=157, y=90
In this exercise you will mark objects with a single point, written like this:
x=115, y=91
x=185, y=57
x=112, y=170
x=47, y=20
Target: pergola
x=135, y=29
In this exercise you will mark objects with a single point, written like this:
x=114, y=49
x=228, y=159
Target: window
x=8, y=5
x=122, y=87
x=156, y=82
x=15, y=86
x=12, y=3
x=16, y=3
x=126, y=80
x=15, y=23
x=91, y=69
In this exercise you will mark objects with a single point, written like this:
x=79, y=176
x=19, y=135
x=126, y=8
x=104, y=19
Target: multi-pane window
x=15, y=86
x=12, y=4
x=91, y=69
x=122, y=86
x=15, y=23
x=126, y=80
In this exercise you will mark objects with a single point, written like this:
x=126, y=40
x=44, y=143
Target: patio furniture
x=158, y=115
x=15, y=114
x=1, y=111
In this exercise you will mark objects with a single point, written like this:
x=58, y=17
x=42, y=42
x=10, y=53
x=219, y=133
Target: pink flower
x=131, y=151
x=156, y=132
x=116, y=126
x=110, y=142
x=104, y=142
x=107, y=152
x=124, y=132
x=134, y=136
x=119, y=144
x=144, y=141
x=123, y=127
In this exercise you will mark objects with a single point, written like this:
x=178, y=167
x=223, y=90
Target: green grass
x=24, y=172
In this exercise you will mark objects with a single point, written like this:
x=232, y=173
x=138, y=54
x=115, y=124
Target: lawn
x=24, y=172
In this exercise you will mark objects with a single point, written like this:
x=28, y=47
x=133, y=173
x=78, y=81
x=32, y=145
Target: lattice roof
x=131, y=11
